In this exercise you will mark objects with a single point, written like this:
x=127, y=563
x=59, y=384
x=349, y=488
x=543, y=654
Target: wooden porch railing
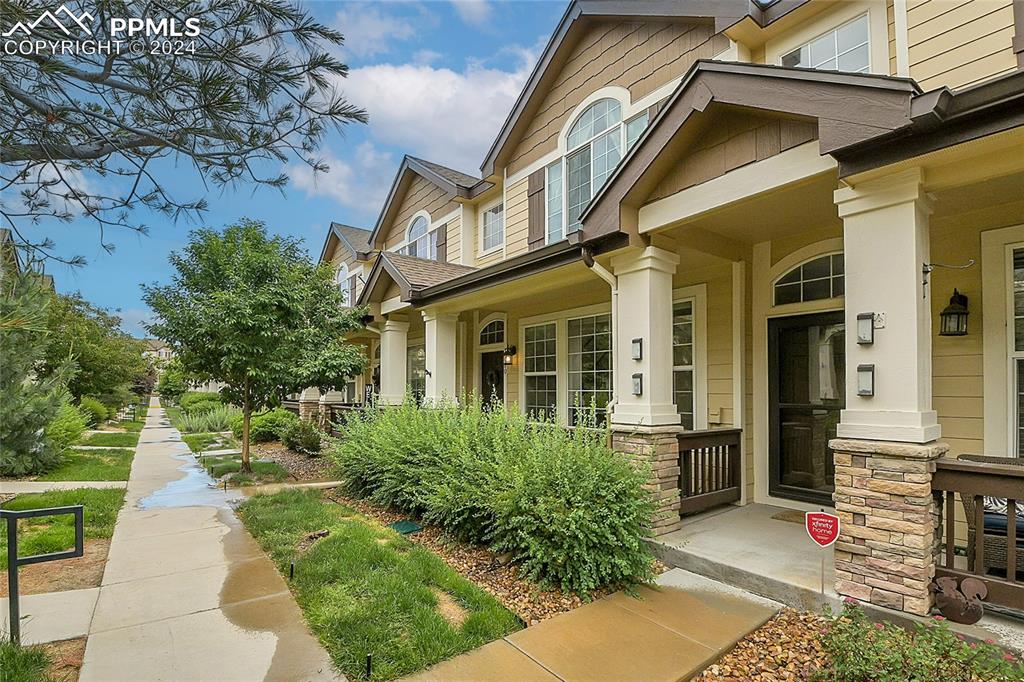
x=338, y=414
x=291, y=405
x=987, y=549
x=709, y=469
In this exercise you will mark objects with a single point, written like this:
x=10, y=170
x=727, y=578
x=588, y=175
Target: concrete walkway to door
x=664, y=634
x=187, y=594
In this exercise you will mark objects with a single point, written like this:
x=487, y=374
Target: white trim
x=432, y=226
x=698, y=295
x=902, y=38
x=996, y=310
x=481, y=212
x=739, y=368
x=840, y=13
x=393, y=304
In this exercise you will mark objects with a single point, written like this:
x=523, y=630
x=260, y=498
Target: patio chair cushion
x=995, y=524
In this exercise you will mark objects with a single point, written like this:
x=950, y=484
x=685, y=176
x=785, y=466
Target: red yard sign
x=823, y=528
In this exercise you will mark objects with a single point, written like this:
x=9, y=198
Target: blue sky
x=437, y=78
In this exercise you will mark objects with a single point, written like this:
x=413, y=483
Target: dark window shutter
x=442, y=244
x=535, y=208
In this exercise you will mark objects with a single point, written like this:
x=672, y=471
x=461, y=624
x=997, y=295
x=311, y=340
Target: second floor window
x=341, y=278
x=494, y=228
x=843, y=49
x=420, y=241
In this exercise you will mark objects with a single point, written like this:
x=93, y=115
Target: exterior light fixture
x=638, y=384
x=865, y=328
x=507, y=355
x=865, y=380
x=953, y=318
x=637, y=349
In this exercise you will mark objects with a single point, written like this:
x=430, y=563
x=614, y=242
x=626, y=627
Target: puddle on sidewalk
x=196, y=489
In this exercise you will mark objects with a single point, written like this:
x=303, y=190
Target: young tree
x=97, y=135
x=251, y=311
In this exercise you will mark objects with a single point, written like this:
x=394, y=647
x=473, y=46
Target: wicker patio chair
x=995, y=545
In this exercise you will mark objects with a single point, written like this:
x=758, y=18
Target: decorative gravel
x=785, y=648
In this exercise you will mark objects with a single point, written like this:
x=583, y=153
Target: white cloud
x=369, y=32
x=133, y=319
x=360, y=182
x=443, y=115
x=426, y=57
x=476, y=12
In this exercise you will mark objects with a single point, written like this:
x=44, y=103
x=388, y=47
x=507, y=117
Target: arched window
x=419, y=240
x=341, y=278
x=813, y=280
x=595, y=143
x=493, y=332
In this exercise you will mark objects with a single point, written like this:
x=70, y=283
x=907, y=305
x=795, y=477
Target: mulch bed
x=785, y=648
x=301, y=467
x=69, y=574
x=65, y=659
x=484, y=568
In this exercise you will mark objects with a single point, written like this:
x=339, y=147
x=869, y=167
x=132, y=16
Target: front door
x=492, y=376
x=806, y=392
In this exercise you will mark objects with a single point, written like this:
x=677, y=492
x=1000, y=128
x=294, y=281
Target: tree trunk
x=246, y=417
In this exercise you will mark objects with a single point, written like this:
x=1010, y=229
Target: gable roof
x=356, y=239
x=573, y=24
x=455, y=183
x=411, y=274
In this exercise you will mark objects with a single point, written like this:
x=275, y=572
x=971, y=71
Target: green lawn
x=365, y=589
x=197, y=442
x=93, y=465
x=133, y=427
x=262, y=472
x=113, y=440
x=57, y=533
x=22, y=663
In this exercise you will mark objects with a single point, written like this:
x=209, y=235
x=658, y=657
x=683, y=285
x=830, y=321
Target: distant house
x=158, y=351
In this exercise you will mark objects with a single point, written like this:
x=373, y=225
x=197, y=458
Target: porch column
x=394, y=337
x=644, y=313
x=326, y=400
x=440, y=351
x=309, y=404
x=886, y=451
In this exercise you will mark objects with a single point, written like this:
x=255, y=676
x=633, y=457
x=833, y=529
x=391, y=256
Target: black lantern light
x=953, y=318
x=508, y=354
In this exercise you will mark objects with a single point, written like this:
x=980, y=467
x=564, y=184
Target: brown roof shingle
x=421, y=273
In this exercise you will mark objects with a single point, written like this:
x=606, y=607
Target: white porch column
x=394, y=337
x=440, y=352
x=885, y=241
x=644, y=312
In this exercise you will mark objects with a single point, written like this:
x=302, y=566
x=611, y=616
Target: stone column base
x=888, y=543
x=309, y=410
x=658, y=447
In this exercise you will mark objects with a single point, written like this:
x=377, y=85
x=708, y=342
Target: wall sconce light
x=865, y=328
x=507, y=355
x=638, y=349
x=866, y=380
x=953, y=318
x=638, y=384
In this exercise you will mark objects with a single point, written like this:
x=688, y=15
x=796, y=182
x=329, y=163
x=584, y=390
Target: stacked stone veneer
x=888, y=545
x=658, y=447
x=309, y=410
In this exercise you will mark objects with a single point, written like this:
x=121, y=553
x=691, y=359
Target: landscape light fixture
x=953, y=318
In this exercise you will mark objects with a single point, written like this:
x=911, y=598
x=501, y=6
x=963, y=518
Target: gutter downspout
x=613, y=282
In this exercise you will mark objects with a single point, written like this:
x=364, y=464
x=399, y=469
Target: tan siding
x=959, y=42
x=517, y=219
x=890, y=19
x=455, y=240
x=422, y=195
x=640, y=56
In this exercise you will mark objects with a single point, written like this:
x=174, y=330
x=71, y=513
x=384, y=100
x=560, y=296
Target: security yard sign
x=822, y=527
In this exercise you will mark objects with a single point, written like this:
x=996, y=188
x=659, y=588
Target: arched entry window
x=813, y=280
x=420, y=241
x=493, y=332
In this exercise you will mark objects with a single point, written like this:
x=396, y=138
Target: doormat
x=405, y=527
x=790, y=515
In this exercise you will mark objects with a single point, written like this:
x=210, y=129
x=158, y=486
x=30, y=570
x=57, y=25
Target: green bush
x=67, y=427
x=95, y=412
x=220, y=418
x=303, y=436
x=863, y=651
x=267, y=426
x=197, y=402
x=570, y=510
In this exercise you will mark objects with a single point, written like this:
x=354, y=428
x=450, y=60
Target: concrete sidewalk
x=23, y=487
x=668, y=633
x=187, y=594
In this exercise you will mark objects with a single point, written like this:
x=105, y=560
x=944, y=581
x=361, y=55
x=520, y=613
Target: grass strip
x=57, y=533
x=92, y=465
x=231, y=465
x=22, y=663
x=197, y=442
x=113, y=440
x=365, y=589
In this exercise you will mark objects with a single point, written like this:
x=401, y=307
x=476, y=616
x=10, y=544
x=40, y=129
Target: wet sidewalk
x=665, y=634
x=187, y=594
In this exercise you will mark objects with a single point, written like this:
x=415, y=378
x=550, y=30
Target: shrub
x=863, y=651
x=572, y=511
x=95, y=412
x=220, y=418
x=197, y=402
x=303, y=436
x=267, y=426
x=67, y=427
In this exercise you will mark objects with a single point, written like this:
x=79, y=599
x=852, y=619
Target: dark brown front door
x=492, y=377
x=806, y=392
